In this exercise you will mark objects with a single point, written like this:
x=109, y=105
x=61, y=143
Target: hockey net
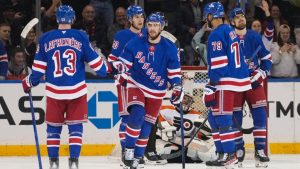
x=194, y=79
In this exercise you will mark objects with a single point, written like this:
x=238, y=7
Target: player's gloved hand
x=177, y=94
x=209, y=95
x=116, y=67
x=26, y=83
x=257, y=77
x=121, y=79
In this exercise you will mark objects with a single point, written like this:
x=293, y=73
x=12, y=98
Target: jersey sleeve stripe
x=39, y=68
x=267, y=57
x=95, y=61
x=112, y=58
x=3, y=58
x=127, y=63
x=40, y=62
x=219, y=62
x=174, y=70
x=98, y=65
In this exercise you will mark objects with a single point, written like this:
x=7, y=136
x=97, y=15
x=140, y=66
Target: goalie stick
x=178, y=153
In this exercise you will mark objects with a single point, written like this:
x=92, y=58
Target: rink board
x=101, y=132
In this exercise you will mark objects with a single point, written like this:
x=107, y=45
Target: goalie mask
x=186, y=103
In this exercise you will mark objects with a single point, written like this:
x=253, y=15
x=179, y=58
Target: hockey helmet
x=235, y=12
x=156, y=17
x=65, y=14
x=216, y=9
x=134, y=10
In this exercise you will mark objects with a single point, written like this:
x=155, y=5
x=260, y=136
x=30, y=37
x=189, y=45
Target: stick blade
x=28, y=27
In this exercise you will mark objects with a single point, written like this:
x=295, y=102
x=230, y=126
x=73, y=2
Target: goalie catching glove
x=177, y=94
x=257, y=77
x=209, y=95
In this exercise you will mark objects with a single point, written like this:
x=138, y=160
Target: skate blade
x=162, y=162
x=240, y=164
x=259, y=164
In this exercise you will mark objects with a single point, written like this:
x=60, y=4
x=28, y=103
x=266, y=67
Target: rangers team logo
x=232, y=35
x=115, y=44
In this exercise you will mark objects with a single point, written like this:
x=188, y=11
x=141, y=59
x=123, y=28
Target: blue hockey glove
x=177, y=94
x=209, y=95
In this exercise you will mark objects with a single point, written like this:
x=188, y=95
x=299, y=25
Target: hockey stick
x=178, y=153
x=182, y=137
x=35, y=131
x=28, y=27
x=244, y=131
x=254, y=54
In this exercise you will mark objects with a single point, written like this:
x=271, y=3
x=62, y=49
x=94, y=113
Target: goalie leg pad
x=53, y=140
x=259, y=131
x=75, y=139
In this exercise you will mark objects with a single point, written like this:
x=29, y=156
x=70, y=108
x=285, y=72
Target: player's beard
x=155, y=36
x=241, y=26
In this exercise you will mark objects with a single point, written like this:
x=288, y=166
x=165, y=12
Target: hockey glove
x=116, y=67
x=121, y=79
x=26, y=83
x=209, y=95
x=177, y=95
x=257, y=77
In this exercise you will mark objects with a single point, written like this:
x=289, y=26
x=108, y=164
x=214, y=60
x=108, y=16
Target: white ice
x=105, y=162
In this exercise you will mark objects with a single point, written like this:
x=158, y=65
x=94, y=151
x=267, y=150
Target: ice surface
x=104, y=162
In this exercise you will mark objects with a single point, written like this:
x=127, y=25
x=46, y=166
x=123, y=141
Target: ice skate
x=54, y=163
x=127, y=158
x=240, y=156
x=227, y=162
x=261, y=160
x=135, y=163
x=214, y=163
x=152, y=158
x=73, y=163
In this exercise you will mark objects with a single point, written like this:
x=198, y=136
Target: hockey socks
x=135, y=122
x=259, y=131
x=238, y=121
x=75, y=139
x=227, y=135
x=142, y=141
x=53, y=140
x=215, y=133
x=122, y=131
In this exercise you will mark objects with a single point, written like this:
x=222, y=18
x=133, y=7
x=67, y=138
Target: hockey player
x=3, y=62
x=135, y=15
x=228, y=75
x=60, y=56
x=152, y=62
x=201, y=148
x=151, y=156
x=258, y=66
